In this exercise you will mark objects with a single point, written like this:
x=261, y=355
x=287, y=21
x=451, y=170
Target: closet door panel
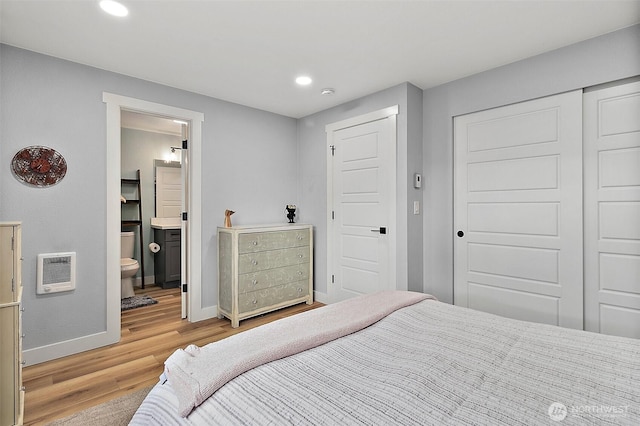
x=612, y=210
x=518, y=210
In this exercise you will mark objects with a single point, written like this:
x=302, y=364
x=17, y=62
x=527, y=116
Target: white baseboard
x=86, y=343
x=68, y=347
x=148, y=280
x=321, y=297
x=205, y=313
x=93, y=341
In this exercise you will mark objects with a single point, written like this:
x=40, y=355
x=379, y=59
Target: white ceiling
x=249, y=52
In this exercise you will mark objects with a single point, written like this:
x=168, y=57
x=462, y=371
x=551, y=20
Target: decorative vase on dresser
x=263, y=268
x=11, y=391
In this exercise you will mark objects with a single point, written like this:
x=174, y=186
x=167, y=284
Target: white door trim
x=391, y=113
x=185, y=261
x=361, y=119
x=116, y=103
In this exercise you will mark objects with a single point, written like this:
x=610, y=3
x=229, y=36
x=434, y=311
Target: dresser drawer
x=271, y=296
x=272, y=277
x=261, y=241
x=260, y=261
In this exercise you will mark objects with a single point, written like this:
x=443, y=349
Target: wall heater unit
x=56, y=272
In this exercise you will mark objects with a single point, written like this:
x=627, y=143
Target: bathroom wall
x=139, y=150
x=248, y=165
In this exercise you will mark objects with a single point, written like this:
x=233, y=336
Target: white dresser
x=11, y=391
x=263, y=268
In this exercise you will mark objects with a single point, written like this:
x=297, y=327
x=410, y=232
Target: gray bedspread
x=431, y=364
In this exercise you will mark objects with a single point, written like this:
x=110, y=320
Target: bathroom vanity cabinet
x=167, y=260
x=11, y=391
x=263, y=268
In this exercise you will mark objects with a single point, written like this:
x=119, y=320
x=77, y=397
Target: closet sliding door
x=518, y=210
x=547, y=210
x=612, y=210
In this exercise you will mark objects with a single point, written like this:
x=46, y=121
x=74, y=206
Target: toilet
x=128, y=266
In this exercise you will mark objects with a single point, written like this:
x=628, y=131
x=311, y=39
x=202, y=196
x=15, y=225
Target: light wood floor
x=150, y=334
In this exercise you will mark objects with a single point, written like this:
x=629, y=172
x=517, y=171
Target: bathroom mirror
x=168, y=188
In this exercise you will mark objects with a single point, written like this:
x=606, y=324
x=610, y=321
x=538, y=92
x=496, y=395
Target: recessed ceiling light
x=114, y=8
x=303, y=80
x=327, y=91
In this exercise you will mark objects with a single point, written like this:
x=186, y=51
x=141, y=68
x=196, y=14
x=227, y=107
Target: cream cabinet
x=263, y=268
x=11, y=392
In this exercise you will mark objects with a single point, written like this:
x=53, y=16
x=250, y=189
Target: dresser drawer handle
x=299, y=272
x=23, y=362
x=300, y=255
x=254, y=262
x=299, y=290
x=299, y=237
x=254, y=282
x=23, y=335
x=255, y=302
x=255, y=243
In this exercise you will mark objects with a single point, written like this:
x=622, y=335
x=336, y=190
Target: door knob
x=460, y=234
x=382, y=230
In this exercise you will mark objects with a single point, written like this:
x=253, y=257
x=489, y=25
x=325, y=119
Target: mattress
x=430, y=363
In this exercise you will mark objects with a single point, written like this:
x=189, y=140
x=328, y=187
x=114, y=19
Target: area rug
x=117, y=412
x=136, y=302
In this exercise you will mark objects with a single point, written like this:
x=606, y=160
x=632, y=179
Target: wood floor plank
x=149, y=335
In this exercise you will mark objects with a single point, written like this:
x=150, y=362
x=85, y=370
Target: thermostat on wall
x=56, y=272
x=417, y=180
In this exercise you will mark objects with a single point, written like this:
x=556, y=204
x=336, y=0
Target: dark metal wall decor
x=291, y=212
x=39, y=166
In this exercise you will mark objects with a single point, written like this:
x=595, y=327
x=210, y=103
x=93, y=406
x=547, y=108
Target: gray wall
x=603, y=59
x=248, y=163
x=249, y=166
x=312, y=190
x=414, y=165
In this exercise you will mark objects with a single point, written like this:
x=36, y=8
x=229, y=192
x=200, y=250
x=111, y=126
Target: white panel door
x=518, y=210
x=363, y=204
x=168, y=192
x=612, y=210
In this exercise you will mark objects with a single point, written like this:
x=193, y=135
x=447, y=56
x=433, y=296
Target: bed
x=400, y=358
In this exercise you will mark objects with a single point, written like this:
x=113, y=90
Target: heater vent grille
x=56, y=272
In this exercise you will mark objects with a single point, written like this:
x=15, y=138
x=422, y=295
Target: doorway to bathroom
x=191, y=208
x=151, y=158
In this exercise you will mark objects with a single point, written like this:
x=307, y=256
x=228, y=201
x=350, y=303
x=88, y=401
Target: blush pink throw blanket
x=196, y=373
